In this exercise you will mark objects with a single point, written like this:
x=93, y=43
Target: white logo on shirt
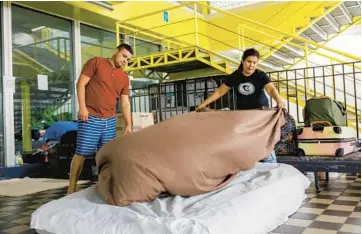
x=246, y=88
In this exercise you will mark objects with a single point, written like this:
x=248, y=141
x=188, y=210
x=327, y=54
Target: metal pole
x=243, y=39
x=344, y=92
x=239, y=42
x=333, y=83
x=134, y=44
x=117, y=36
x=355, y=99
x=196, y=26
x=306, y=64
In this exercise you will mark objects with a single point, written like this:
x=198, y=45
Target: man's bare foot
x=70, y=190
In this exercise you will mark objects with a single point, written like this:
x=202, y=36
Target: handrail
x=42, y=41
x=146, y=34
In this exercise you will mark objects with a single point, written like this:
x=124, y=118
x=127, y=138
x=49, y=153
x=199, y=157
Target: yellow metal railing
x=192, y=30
x=249, y=33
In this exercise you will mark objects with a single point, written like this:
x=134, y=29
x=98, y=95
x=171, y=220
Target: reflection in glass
x=43, y=71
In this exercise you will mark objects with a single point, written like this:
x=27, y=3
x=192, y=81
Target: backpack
x=288, y=138
x=60, y=158
x=323, y=108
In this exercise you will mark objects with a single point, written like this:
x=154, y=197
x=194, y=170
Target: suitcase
x=326, y=141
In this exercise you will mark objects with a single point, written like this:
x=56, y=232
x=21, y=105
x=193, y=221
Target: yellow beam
x=282, y=32
x=356, y=21
x=316, y=19
x=155, y=12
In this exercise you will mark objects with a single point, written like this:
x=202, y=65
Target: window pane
x=96, y=42
x=2, y=159
x=142, y=47
x=43, y=71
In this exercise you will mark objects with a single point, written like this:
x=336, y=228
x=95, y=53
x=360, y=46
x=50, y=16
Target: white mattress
x=257, y=201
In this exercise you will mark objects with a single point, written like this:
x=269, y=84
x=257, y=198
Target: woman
x=250, y=83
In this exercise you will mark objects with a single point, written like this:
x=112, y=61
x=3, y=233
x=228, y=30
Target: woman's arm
x=273, y=92
x=221, y=91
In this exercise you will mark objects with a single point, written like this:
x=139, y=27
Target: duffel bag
x=324, y=109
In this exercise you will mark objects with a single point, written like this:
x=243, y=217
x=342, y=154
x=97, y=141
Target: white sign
x=9, y=84
x=142, y=120
x=42, y=82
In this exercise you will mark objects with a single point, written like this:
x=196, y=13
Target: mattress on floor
x=257, y=201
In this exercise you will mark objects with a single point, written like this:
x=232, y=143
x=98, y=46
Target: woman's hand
x=280, y=103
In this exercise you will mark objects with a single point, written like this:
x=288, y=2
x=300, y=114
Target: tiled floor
x=334, y=210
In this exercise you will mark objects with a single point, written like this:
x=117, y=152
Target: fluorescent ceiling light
x=38, y=28
x=102, y=4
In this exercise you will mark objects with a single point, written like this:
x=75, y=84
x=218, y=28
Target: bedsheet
x=256, y=201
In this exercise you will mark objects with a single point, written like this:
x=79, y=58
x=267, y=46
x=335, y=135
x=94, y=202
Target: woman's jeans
x=271, y=158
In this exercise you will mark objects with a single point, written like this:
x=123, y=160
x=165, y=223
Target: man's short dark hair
x=125, y=46
x=250, y=52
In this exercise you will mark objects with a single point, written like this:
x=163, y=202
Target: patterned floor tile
x=335, y=194
x=17, y=229
x=318, y=231
x=332, y=219
x=345, y=203
x=341, y=207
x=298, y=222
x=321, y=201
x=311, y=210
x=351, y=228
x=348, y=198
x=326, y=225
x=289, y=229
x=356, y=215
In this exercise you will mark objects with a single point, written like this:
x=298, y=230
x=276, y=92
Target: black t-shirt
x=249, y=90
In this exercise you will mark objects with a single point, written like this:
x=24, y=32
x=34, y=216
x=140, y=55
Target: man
x=101, y=83
x=250, y=83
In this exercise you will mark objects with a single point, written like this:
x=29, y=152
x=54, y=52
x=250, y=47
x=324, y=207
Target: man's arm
x=221, y=91
x=126, y=110
x=82, y=82
x=273, y=92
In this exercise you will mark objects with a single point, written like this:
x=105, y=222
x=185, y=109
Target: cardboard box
x=140, y=120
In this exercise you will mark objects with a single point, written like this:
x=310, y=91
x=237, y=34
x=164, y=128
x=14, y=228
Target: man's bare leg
x=76, y=168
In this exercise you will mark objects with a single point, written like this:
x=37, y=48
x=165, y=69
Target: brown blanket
x=186, y=155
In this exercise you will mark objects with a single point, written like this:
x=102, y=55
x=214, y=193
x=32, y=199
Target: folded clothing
x=186, y=155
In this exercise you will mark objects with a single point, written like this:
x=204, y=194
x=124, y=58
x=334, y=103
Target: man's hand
x=200, y=108
x=128, y=130
x=83, y=114
x=280, y=103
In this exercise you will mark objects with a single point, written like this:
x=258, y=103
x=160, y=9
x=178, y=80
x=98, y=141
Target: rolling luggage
x=320, y=140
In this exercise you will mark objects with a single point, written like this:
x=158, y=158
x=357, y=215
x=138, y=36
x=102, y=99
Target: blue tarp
x=57, y=129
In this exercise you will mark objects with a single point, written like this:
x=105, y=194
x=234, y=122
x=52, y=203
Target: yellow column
x=26, y=116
